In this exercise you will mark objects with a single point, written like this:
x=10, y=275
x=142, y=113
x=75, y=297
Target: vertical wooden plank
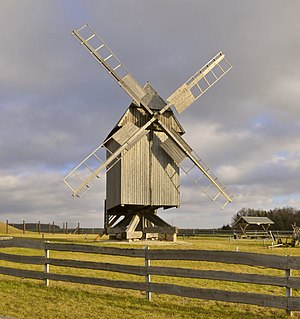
x=135, y=174
x=165, y=175
x=24, y=227
x=148, y=276
x=288, y=290
x=47, y=266
x=113, y=179
x=6, y=231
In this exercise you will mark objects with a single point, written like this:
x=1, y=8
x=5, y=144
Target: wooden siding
x=135, y=174
x=152, y=180
x=113, y=181
x=164, y=175
x=146, y=175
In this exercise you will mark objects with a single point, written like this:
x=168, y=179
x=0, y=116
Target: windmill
x=143, y=154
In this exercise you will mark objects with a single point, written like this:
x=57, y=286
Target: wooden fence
x=284, y=263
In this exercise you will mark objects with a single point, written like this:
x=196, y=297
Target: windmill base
x=141, y=225
x=137, y=235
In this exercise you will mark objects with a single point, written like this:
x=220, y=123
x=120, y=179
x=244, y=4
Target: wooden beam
x=251, y=259
x=21, y=273
x=96, y=249
x=99, y=282
x=128, y=269
x=161, y=230
x=22, y=243
x=33, y=260
x=292, y=282
x=221, y=295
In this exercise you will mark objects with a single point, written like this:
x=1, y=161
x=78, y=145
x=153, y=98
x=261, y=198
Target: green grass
x=30, y=300
x=25, y=298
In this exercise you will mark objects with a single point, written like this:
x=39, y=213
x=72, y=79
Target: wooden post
x=106, y=217
x=24, y=227
x=78, y=227
x=53, y=228
x=39, y=227
x=66, y=227
x=47, y=266
x=147, y=277
x=6, y=230
x=288, y=290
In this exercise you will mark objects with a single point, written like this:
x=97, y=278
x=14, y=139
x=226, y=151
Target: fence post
x=148, y=276
x=47, y=266
x=24, y=227
x=288, y=290
x=6, y=227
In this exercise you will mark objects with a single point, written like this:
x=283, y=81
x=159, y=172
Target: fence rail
x=284, y=263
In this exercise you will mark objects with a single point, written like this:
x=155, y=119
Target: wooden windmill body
x=144, y=152
x=145, y=179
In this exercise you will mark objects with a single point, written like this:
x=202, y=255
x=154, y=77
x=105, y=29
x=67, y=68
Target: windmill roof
x=153, y=99
x=252, y=220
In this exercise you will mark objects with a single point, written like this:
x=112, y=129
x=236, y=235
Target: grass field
x=11, y=230
x=25, y=298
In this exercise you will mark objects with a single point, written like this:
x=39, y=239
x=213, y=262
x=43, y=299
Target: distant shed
x=245, y=221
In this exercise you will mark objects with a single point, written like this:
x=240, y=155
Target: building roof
x=138, y=116
x=252, y=220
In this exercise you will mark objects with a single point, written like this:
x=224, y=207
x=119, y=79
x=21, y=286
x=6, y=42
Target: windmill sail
x=199, y=83
x=105, y=56
x=195, y=168
x=97, y=163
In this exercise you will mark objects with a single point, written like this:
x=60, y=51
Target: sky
x=57, y=104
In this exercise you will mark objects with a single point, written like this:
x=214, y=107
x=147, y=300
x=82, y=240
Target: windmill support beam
x=142, y=224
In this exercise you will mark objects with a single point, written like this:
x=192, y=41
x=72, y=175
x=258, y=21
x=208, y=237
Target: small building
x=252, y=226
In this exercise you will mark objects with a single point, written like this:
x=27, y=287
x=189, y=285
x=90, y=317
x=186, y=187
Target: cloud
x=42, y=196
x=57, y=104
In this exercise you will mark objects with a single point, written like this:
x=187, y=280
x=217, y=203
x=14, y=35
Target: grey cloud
x=57, y=104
